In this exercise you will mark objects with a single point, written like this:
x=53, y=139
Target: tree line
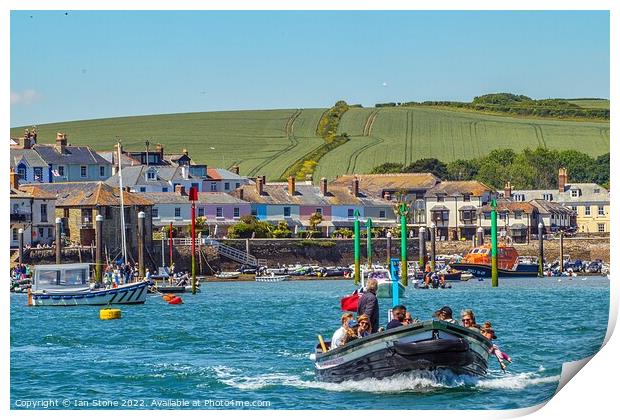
x=522, y=105
x=529, y=169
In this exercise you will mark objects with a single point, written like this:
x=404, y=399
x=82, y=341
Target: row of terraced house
x=76, y=183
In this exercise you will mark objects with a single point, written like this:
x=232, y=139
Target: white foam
x=409, y=382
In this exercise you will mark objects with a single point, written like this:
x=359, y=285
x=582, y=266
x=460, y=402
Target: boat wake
x=409, y=382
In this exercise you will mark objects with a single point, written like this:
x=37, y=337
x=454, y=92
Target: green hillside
x=269, y=142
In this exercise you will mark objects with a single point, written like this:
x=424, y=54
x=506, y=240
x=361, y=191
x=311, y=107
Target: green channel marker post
x=369, y=242
x=541, y=251
x=356, y=246
x=494, y=281
x=403, y=244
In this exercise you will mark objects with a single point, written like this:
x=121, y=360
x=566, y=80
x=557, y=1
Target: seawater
x=250, y=343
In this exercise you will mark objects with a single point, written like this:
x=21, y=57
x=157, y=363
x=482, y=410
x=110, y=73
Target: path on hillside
x=352, y=162
x=288, y=131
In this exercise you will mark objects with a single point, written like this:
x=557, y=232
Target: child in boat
x=340, y=333
x=489, y=333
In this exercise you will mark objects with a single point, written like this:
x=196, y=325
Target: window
x=548, y=197
x=236, y=212
x=573, y=208
x=287, y=212
x=502, y=215
x=518, y=197
x=213, y=187
x=466, y=197
x=350, y=213
x=237, y=184
x=102, y=171
x=574, y=193
x=50, y=232
x=22, y=172
x=219, y=212
x=319, y=211
x=440, y=198
x=587, y=210
x=83, y=171
x=597, y=190
x=468, y=216
x=201, y=211
x=601, y=227
x=155, y=212
x=518, y=214
x=38, y=174
x=254, y=212
x=150, y=175
x=164, y=189
x=142, y=189
x=601, y=210
x=381, y=214
x=44, y=212
x=41, y=233
x=61, y=171
x=177, y=212
x=226, y=186
x=15, y=237
x=440, y=216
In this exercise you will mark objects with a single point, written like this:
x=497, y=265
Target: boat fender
x=431, y=346
x=175, y=301
x=109, y=313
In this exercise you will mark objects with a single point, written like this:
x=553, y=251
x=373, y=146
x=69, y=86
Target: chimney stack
x=259, y=185
x=159, y=149
x=185, y=152
x=291, y=185
x=179, y=189
x=61, y=142
x=14, y=180
x=507, y=190
x=355, y=187
x=235, y=169
x=264, y=178
x=324, y=186
x=241, y=193
x=562, y=179
x=184, y=172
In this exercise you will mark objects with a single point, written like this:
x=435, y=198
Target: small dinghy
x=424, y=346
x=272, y=278
x=228, y=275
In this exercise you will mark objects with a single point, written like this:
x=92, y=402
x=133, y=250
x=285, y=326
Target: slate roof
x=89, y=194
x=31, y=157
x=504, y=205
x=590, y=192
x=203, y=198
x=277, y=193
x=78, y=155
x=375, y=184
x=137, y=175
x=217, y=174
x=35, y=191
x=547, y=207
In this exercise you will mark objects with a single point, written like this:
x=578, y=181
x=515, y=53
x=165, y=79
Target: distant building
x=142, y=178
x=223, y=180
x=32, y=209
x=30, y=166
x=78, y=203
x=518, y=220
x=294, y=203
x=453, y=207
x=589, y=201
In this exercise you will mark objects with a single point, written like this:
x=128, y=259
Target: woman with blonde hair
x=363, y=326
x=468, y=319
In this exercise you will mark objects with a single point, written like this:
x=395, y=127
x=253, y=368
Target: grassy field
x=591, y=103
x=268, y=142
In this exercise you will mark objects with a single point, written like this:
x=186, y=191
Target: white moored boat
x=228, y=275
x=384, y=282
x=69, y=285
x=272, y=278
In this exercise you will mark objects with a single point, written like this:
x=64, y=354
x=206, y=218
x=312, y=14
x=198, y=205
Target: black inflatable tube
x=431, y=346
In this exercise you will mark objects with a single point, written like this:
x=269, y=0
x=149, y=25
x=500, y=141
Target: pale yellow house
x=590, y=201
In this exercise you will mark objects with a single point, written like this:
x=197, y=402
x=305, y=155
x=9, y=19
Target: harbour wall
x=326, y=252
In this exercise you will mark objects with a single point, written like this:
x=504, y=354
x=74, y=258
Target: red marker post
x=193, y=196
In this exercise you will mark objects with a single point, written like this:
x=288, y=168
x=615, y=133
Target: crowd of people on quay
x=367, y=322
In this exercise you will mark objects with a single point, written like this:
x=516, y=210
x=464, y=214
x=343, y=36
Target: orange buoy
x=168, y=297
x=175, y=301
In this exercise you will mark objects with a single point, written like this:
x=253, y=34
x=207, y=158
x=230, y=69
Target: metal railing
x=230, y=252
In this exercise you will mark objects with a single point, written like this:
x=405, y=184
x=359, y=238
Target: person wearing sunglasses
x=398, y=316
x=363, y=326
x=468, y=320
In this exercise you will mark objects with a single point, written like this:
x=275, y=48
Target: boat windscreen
x=379, y=275
x=47, y=278
x=76, y=277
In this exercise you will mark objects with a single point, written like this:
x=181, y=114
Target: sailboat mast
x=120, y=184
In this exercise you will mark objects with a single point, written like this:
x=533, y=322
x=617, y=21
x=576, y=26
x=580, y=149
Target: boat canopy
x=60, y=276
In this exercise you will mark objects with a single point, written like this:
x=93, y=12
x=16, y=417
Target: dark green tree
x=432, y=165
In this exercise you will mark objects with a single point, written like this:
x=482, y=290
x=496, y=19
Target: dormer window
x=466, y=197
x=548, y=197
x=574, y=193
x=150, y=175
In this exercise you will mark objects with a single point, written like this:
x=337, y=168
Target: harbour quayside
x=425, y=346
x=69, y=285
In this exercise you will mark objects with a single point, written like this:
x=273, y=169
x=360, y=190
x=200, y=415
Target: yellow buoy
x=109, y=313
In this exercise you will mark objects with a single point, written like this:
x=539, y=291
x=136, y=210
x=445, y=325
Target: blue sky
x=84, y=65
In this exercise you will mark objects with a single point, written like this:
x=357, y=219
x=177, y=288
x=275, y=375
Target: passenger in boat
x=363, y=326
x=489, y=333
x=469, y=320
x=351, y=331
x=340, y=333
x=409, y=319
x=445, y=314
x=369, y=305
x=399, y=312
